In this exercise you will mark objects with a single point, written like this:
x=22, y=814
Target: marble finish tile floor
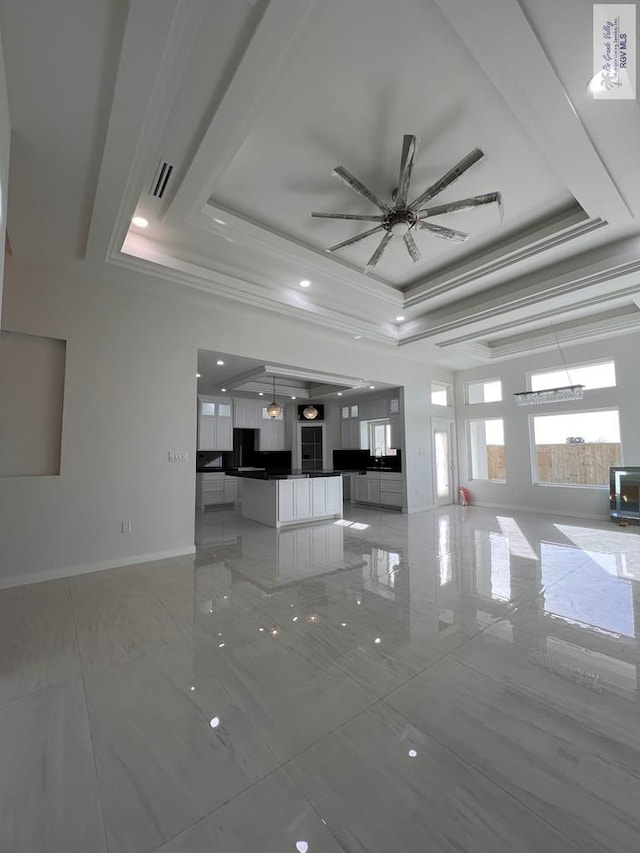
x=455, y=680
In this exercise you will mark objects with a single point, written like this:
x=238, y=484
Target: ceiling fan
x=401, y=219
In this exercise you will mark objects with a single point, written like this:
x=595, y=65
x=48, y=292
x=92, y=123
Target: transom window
x=486, y=391
x=440, y=394
x=602, y=375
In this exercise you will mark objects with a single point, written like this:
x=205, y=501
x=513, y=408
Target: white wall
x=129, y=399
x=31, y=395
x=519, y=492
x=5, y=143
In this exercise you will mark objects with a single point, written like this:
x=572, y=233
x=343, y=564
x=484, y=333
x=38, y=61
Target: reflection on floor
x=454, y=680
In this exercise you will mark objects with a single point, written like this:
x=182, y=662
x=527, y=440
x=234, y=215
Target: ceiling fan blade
x=347, y=216
x=463, y=204
x=444, y=233
x=352, y=240
x=409, y=145
x=446, y=180
x=357, y=186
x=413, y=250
x=373, y=260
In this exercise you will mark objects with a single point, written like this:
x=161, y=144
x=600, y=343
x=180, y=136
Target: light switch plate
x=179, y=456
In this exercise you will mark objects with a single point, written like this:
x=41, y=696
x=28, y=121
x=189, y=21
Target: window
x=601, y=375
x=576, y=449
x=224, y=410
x=345, y=412
x=440, y=394
x=208, y=409
x=487, y=391
x=486, y=445
x=380, y=438
x=353, y=412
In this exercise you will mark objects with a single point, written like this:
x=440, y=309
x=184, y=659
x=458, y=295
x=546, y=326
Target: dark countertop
x=212, y=469
x=261, y=472
x=285, y=475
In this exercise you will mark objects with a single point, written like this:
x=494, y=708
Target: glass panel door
x=311, y=446
x=442, y=432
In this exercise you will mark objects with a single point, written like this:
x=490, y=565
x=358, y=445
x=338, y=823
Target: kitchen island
x=291, y=497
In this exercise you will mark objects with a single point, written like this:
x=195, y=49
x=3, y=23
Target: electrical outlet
x=125, y=527
x=178, y=456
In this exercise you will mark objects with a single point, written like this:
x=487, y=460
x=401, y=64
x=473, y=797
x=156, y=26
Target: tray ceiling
x=254, y=104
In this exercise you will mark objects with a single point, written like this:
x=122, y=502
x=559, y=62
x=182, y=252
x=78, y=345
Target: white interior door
x=443, y=465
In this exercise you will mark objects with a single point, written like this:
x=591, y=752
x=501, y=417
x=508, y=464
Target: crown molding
x=562, y=229
x=150, y=259
x=532, y=290
x=277, y=246
x=603, y=328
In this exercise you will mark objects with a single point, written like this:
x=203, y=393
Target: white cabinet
x=318, y=496
x=390, y=489
x=395, y=431
x=302, y=498
x=272, y=435
x=286, y=504
x=366, y=488
x=246, y=413
x=383, y=488
x=206, y=433
x=326, y=495
x=334, y=494
x=378, y=409
x=230, y=490
x=215, y=424
x=215, y=489
x=350, y=426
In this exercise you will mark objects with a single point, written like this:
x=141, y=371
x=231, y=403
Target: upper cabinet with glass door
x=215, y=423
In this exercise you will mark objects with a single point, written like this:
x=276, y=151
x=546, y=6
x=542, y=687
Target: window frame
x=469, y=453
x=442, y=386
x=575, y=366
x=533, y=459
x=371, y=425
x=483, y=382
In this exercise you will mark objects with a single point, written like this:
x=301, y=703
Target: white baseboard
x=100, y=566
x=540, y=511
x=418, y=509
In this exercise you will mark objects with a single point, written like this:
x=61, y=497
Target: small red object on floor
x=465, y=497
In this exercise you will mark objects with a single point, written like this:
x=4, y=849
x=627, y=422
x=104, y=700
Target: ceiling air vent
x=161, y=177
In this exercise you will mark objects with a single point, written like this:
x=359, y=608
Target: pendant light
x=310, y=413
x=274, y=409
x=564, y=394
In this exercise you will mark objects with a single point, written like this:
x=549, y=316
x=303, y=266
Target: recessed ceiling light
x=198, y=375
x=219, y=221
x=223, y=389
x=357, y=337
x=400, y=318
x=260, y=394
x=305, y=282
x=339, y=393
x=140, y=221
x=371, y=387
x=293, y=398
x=220, y=362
